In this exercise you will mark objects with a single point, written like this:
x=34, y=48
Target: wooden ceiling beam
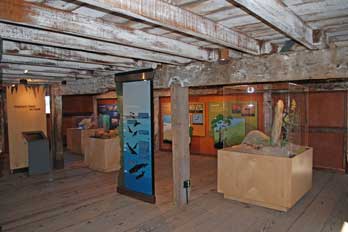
x=37, y=81
x=19, y=12
x=17, y=77
x=20, y=73
x=42, y=62
x=173, y=17
x=49, y=38
x=45, y=69
x=275, y=13
x=26, y=53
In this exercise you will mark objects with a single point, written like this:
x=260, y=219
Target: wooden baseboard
x=322, y=168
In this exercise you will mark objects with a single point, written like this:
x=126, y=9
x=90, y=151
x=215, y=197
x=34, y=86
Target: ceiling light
x=250, y=89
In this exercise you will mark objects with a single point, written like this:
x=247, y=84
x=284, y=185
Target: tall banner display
x=137, y=133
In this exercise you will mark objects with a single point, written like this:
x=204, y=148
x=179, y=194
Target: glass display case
x=263, y=119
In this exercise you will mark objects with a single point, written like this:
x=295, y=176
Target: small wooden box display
x=270, y=181
x=103, y=154
x=76, y=139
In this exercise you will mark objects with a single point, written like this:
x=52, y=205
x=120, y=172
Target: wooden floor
x=82, y=200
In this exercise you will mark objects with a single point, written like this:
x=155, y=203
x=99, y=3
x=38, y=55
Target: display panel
x=137, y=137
x=109, y=114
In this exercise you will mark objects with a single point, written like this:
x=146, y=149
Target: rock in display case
x=271, y=166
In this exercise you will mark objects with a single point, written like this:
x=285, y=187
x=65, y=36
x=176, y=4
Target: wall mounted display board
x=230, y=121
x=107, y=109
x=197, y=118
x=25, y=112
x=137, y=179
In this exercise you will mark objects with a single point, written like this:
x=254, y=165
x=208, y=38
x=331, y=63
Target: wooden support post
x=180, y=145
x=56, y=129
x=345, y=158
x=4, y=154
x=156, y=118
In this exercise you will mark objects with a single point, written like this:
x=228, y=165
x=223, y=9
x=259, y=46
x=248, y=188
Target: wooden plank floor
x=82, y=200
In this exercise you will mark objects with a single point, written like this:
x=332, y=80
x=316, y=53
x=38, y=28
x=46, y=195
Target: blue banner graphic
x=137, y=132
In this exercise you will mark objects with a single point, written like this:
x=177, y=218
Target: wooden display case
x=103, y=154
x=76, y=139
x=270, y=181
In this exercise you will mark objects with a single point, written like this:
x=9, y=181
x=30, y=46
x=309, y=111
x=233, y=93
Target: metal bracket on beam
x=177, y=79
x=287, y=45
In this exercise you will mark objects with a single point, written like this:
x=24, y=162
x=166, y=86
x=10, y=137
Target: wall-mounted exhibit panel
x=108, y=112
x=25, y=112
x=206, y=113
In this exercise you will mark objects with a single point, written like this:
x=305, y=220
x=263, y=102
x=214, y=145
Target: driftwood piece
x=277, y=123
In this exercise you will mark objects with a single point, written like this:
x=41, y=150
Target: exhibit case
x=263, y=132
x=278, y=112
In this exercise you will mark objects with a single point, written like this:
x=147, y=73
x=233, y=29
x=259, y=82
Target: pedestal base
x=269, y=181
x=103, y=154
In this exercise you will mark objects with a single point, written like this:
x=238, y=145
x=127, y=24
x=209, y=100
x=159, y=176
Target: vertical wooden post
x=4, y=154
x=56, y=129
x=156, y=122
x=345, y=158
x=180, y=142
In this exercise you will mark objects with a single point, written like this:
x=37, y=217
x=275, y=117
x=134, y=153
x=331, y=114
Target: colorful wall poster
x=231, y=121
x=137, y=137
x=228, y=131
x=244, y=109
x=197, y=119
x=215, y=109
x=167, y=128
x=110, y=113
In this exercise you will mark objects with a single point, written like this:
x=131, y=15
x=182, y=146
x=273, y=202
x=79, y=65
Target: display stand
x=103, y=154
x=37, y=152
x=275, y=182
x=77, y=138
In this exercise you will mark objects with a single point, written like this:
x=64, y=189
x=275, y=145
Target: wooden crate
x=270, y=181
x=103, y=154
